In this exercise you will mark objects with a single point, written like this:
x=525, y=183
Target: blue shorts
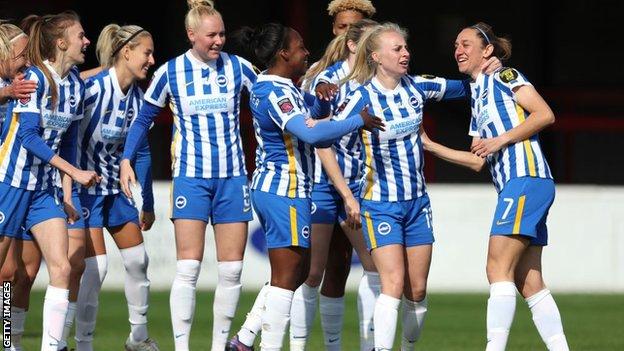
x=21, y=209
x=328, y=205
x=217, y=200
x=106, y=211
x=523, y=207
x=408, y=223
x=285, y=221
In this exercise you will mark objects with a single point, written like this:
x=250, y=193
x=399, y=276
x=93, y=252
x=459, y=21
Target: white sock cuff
x=331, y=305
x=503, y=289
x=133, y=252
x=309, y=292
x=17, y=310
x=230, y=272
x=97, y=264
x=389, y=301
x=537, y=297
x=188, y=270
x=56, y=294
x=414, y=305
x=275, y=291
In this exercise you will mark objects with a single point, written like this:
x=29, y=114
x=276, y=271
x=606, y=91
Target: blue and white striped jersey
x=102, y=133
x=495, y=111
x=393, y=159
x=284, y=164
x=348, y=149
x=18, y=167
x=204, y=99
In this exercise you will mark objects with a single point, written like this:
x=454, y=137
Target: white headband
x=17, y=36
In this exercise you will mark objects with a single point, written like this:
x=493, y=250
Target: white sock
x=275, y=318
x=182, y=301
x=253, y=323
x=548, y=320
x=136, y=287
x=87, y=304
x=385, y=320
x=332, y=313
x=368, y=291
x=414, y=313
x=302, y=314
x=69, y=323
x=226, y=298
x=54, y=313
x=18, y=317
x=500, y=313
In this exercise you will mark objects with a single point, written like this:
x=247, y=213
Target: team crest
x=130, y=113
x=286, y=106
x=222, y=80
x=384, y=228
x=413, y=101
x=508, y=75
x=180, y=202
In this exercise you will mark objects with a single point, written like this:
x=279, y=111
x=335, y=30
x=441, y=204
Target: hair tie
x=125, y=42
x=483, y=33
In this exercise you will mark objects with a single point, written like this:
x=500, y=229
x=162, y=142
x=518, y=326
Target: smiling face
x=140, y=58
x=343, y=19
x=74, y=43
x=392, y=55
x=208, y=38
x=470, y=52
x=297, y=53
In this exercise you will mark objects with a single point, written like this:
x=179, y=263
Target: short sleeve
x=433, y=87
x=248, y=72
x=511, y=78
x=283, y=107
x=352, y=104
x=158, y=89
x=33, y=102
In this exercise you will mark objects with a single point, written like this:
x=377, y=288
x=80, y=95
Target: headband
x=482, y=33
x=125, y=42
x=17, y=37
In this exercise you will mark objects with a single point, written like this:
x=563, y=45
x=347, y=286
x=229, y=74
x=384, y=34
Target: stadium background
x=570, y=50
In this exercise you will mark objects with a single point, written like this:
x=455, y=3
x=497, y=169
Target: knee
x=136, y=264
x=229, y=272
x=530, y=287
x=187, y=271
x=392, y=284
x=315, y=276
x=23, y=280
x=77, y=268
x=417, y=291
x=59, y=270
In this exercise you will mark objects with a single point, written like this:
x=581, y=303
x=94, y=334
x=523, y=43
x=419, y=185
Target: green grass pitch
x=454, y=322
